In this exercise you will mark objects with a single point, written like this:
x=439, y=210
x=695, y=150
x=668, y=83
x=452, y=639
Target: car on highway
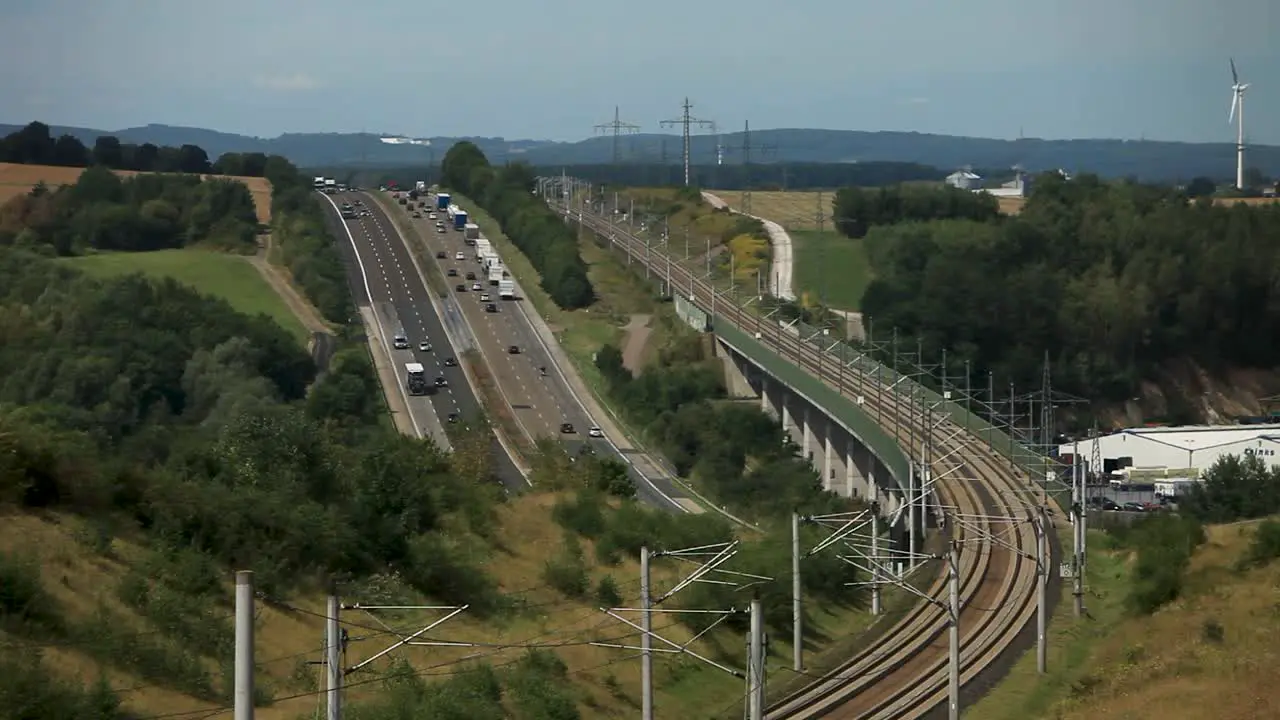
x=459, y=256
x=484, y=297
x=471, y=276
x=417, y=215
x=432, y=216
x=450, y=362
x=567, y=428
x=441, y=382
x=595, y=432
x=476, y=286
x=453, y=417
x=442, y=255
x=514, y=349
x=424, y=346
x=440, y=229
x=453, y=272
x=460, y=287
x=400, y=342
x=491, y=308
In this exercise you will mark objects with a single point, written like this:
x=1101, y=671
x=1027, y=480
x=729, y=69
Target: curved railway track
x=903, y=673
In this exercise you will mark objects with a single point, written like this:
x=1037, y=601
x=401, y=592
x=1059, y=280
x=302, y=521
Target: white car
x=424, y=347
x=432, y=216
x=459, y=256
x=484, y=297
x=477, y=287
x=595, y=432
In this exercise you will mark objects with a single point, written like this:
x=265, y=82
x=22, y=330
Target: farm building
x=1196, y=447
x=1019, y=186
x=964, y=180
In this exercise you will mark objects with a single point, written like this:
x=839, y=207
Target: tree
x=108, y=152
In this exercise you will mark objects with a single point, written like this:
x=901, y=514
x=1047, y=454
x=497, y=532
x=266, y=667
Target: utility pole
x=646, y=639
x=1042, y=592
x=244, y=646
x=746, y=149
x=953, y=633
x=685, y=122
x=617, y=127
x=755, y=659
x=797, y=606
x=333, y=655
x=1077, y=535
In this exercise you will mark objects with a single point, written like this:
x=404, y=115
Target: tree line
x=34, y=144
x=104, y=211
x=1111, y=279
x=857, y=210
x=507, y=194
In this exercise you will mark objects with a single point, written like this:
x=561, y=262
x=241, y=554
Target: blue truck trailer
x=442, y=201
x=459, y=220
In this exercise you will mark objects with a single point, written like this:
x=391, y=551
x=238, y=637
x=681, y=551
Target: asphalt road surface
x=541, y=403
x=400, y=297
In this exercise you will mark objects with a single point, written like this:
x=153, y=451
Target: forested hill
x=1116, y=281
x=1143, y=159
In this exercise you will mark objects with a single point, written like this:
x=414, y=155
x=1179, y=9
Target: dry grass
x=792, y=209
x=81, y=580
x=1168, y=666
x=19, y=179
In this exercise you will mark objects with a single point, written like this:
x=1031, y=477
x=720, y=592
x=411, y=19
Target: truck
x=1175, y=487
x=415, y=378
x=420, y=186
x=442, y=201
x=495, y=273
x=330, y=186
x=319, y=184
x=482, y=248
x=460, y=220
x=507, y=289
x=488, y=258
x=471, y=231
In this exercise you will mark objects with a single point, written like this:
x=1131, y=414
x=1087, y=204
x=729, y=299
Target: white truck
x=330, y=186
x=421, y=186
x=471, y=231
x=319, y=184
x=495, y=273
x=507, y=289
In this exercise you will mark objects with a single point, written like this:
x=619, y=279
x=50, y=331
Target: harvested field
x=792, y=209
x=19, y=179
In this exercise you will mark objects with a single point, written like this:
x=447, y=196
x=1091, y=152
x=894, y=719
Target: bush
x=607, y=593
x=1164, y=544
x=567, y=572
x=1265, y=546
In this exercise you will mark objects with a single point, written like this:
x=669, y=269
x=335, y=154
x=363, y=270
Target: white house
x=1194, y=446
x=964, y=180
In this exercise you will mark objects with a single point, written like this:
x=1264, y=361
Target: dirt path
x=279, y=280
x=638, y=332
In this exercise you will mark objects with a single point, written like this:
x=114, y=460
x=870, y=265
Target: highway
x=541, y=403
x=384, y=280
x=904, y=672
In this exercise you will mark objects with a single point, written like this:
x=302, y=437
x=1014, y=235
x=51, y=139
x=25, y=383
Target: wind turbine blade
x=1235, y=99
x=1235, y=78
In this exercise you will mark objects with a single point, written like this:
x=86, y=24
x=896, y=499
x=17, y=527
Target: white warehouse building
x=1196, y=447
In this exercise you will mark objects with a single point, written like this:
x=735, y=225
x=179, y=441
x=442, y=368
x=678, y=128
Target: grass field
x=830, y=266
x=793, y=210
x=1212, y=653
x=18, y=179
x=229, y=277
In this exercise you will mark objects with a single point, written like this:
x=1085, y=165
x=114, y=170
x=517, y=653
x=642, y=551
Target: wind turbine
x=1237, y=114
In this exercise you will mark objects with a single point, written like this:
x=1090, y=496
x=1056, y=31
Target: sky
x=989, y=68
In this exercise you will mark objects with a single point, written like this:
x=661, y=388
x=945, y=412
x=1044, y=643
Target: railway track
x=904, y=672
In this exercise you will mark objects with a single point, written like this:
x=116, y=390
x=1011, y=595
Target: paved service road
x=383, y=277
x=540, y=402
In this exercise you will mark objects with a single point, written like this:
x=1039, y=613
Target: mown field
x=230, y=277
x=18, y=179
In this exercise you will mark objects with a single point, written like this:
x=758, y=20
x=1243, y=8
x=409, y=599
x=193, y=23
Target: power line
x=617, y=126
x=685, y=122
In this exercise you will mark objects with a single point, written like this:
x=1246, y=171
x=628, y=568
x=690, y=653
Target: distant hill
x=1144, y=159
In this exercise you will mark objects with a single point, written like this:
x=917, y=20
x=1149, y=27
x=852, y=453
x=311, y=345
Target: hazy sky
x=996, y=68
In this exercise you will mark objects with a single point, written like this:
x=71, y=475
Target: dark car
x=514, y=349
x=441, y=382
x=491, y=308
x=453, y=272
x=441, y=255
x=471, y=276
x=567, y=428
x=460, y=287
x=1134, y=507
x=450, y=362
x=453, y=417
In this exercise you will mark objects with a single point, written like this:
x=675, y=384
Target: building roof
x=967, y=174
x=1199, y=437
